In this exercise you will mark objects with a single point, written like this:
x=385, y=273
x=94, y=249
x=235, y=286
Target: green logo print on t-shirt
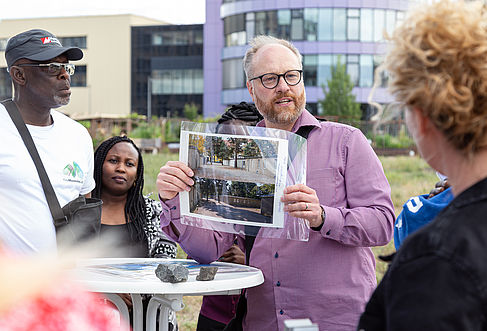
x=73, y=172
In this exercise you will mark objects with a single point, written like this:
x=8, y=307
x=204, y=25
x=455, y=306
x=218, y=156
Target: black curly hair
x=245, y=112
x=135, y=209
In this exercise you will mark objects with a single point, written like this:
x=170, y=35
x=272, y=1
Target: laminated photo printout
x=238, y=179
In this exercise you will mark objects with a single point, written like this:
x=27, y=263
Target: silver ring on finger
x=306, y=206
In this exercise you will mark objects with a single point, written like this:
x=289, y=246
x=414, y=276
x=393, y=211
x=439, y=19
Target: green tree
x=191, y=111
x=339, y=100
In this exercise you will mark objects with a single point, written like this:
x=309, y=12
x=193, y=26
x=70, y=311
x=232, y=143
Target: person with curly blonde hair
x=438, y=69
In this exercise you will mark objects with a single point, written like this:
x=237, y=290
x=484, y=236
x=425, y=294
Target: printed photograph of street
x=234, y=177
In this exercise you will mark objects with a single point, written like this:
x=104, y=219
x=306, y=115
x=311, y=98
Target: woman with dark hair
x=126, y=214
x=129, y=219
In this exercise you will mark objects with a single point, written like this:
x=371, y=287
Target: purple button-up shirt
x=330, y=277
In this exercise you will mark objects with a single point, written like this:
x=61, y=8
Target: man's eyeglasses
x=291, y=77
x=52, y=68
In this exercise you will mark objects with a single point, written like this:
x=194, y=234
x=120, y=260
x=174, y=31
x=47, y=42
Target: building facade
x=167, y=69
x=325, y=32
x=101, y=85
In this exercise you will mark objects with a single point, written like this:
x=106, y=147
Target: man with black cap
x=41, y=74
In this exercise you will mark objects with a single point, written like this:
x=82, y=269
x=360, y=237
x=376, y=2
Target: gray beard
x=61, y=101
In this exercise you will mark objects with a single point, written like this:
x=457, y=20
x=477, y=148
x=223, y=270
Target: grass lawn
x=408, y=176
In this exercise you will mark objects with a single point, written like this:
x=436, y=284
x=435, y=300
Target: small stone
x=172, y=273
x=207, y=273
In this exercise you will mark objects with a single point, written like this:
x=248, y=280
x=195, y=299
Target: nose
x=120, y=167
x=63, y=74
x=282, y=86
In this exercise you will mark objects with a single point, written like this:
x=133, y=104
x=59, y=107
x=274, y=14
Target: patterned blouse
x=159, y=244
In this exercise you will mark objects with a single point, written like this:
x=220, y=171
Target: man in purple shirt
x=346, y=200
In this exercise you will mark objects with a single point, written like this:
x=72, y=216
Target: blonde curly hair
x=438, y=63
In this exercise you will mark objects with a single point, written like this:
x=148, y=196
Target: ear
x=250, y=88
x=423, y=123
x=18, y=75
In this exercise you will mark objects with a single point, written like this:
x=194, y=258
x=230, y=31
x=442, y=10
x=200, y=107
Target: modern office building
x=167, y=69
x=323, y=30
x=101, y=85
x=126, y=59
x=138, y=65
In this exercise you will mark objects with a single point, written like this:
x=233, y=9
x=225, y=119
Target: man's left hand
x=301, y=201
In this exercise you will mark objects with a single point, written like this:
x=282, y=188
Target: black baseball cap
x=38, y=45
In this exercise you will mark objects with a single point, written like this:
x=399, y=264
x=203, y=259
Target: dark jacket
x=438, y=278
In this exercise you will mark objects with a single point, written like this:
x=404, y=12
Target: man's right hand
x=174, y=177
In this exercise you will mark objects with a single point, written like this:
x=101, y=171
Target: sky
x=171, y=11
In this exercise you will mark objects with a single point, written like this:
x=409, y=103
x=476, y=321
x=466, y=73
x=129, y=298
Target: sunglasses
x=52, y=68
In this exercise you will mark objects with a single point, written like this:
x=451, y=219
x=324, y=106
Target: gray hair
x=260, y=41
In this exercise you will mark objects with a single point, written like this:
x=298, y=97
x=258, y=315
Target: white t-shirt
x=66, y=150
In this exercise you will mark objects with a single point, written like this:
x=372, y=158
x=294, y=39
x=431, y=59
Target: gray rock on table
x=172, y=273
x=207, y=273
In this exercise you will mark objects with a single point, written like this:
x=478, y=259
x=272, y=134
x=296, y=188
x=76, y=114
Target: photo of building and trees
x=234, y=177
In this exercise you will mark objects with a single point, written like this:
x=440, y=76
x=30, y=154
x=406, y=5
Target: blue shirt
x=419, y=211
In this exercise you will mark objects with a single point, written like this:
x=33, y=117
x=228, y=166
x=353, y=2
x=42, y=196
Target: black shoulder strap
x=304, y=131
x=52, y=201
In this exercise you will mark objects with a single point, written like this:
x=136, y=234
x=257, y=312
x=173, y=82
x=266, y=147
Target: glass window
x=310, y=65
x=166, y=86
x=297, y=24
x=339, y=24
x=353, y=12
x=366, y=71
x=311, y=24
x=379, y=24
x=399, y=17
x=271, y=19
x=366, y=25
x=259, y=23
x=284, y=24
x=353, y=68
x=79, y=77
x=177, y=81
x=234, y=23
x=390, y=21
x=5, y=84
x=352, y=58
x=233, y=74
x=250, y=26
x=325, y=26
x=176, y=38
x=188, y=81
x=198, y=81
x=353, y=31
x=156, y=39
x=3, y=43
x=325, y=61
x=198, y=37
x=236, y=38
x=73, y=42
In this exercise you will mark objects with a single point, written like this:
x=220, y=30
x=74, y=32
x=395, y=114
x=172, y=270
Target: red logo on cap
x=48, y=40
